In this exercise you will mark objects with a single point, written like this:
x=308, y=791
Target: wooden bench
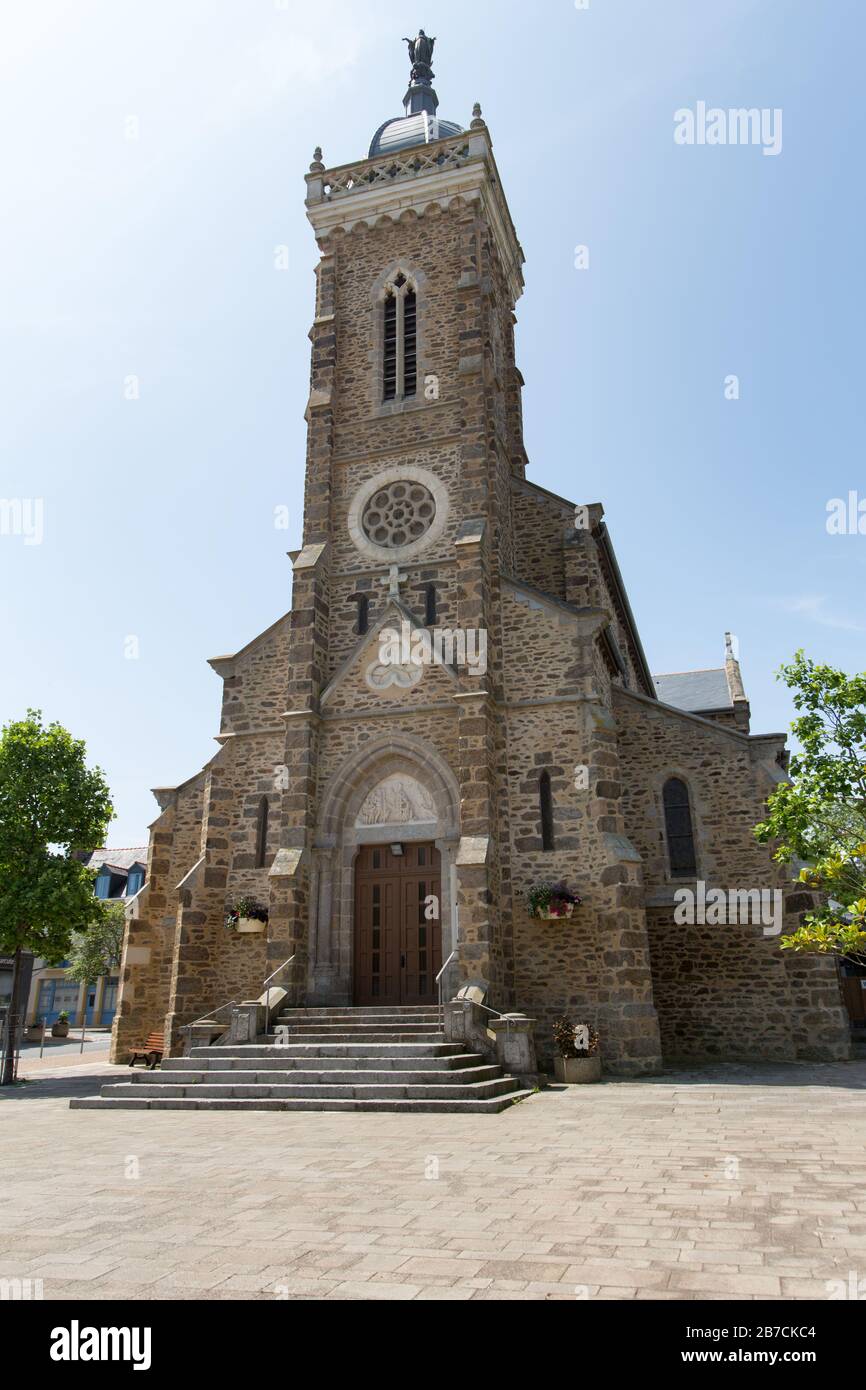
x=151, y=1052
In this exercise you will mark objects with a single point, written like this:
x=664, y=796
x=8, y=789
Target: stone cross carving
x=394, y=580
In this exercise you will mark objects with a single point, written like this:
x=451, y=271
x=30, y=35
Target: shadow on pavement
x=59, y=1087
x=844, y=1075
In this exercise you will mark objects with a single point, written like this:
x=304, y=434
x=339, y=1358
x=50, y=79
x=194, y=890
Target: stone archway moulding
x=397, y=765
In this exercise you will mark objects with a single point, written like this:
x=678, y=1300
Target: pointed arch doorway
x=398, y=924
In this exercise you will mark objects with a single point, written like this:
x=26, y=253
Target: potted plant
x=577, y=1059
x=60, y=1029
x=35, y=1030
x=246, y=916
x=548, y=902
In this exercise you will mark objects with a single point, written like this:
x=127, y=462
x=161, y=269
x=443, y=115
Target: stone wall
x=727, y=989
x=301, y=726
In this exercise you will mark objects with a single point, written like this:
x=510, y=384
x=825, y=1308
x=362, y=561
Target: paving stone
x=331, y=1206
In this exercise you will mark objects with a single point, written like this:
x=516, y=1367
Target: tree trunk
x=12, y=1020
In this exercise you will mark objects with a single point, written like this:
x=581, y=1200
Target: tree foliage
x=97, y=950
x=51, y=805
x=819, y=817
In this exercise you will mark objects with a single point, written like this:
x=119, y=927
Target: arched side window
x=430, y=605
x=545, y=802
x=400, y=354
x=679, y=828
x=262, y=833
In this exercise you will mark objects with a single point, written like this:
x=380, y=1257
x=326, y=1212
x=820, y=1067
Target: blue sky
x=153, y=257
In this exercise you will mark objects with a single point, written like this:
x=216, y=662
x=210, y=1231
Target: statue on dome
x=421, y=57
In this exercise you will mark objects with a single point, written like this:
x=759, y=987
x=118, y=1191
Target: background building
x=121, y=874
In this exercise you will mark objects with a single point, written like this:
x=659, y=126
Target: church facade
x=458, y=708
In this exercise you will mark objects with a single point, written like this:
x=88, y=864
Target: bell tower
x=414, y=435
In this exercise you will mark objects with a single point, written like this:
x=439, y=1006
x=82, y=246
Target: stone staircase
x=385, y=1059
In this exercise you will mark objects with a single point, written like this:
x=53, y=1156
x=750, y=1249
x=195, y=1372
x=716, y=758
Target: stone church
x=457, y=706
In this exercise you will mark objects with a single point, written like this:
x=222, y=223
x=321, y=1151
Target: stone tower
x=426, y=216
x=458, y=705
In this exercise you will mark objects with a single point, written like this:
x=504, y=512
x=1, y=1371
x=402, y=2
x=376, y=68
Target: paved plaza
x=737, y=1181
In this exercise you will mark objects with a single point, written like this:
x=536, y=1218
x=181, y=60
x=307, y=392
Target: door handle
x=402, y=962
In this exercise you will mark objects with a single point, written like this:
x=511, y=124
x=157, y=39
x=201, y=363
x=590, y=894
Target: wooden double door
x=398, y=927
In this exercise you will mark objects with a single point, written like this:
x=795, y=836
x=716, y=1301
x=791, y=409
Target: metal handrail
x=445, y=966
x=485, y=1007
x=212, y=1016
x=267, y=991
x=277, y=971
x=439, y=983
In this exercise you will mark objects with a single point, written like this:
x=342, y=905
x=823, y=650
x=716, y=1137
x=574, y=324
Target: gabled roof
x=120, y=860
x=695, y=691
x=395, y=608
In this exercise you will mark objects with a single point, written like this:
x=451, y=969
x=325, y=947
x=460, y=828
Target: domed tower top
x=420, y=125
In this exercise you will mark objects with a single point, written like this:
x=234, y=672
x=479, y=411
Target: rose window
x=398, y=515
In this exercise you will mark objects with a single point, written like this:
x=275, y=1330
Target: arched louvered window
x=430, y=605
x=545, y=801
x=679, y=828
x=363, y=615
x=400, y=354
x=262, y=833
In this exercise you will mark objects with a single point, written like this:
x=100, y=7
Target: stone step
x=379, y=1059
x=329, y=1048
x=452, y=1105
x=379, y=1022
x=431, y=1034
x=315, y=1090
x=411, y=1013
x=284, y=1059
x=328, y=1076
x=361, y=1035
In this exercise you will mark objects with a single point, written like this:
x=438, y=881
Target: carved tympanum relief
x=399, y=800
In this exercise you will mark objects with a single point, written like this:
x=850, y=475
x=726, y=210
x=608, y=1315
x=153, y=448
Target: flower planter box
x=34, y=1033
x=60, y=1030
x=548, y=916
x=577, y=1071
x=250, y=925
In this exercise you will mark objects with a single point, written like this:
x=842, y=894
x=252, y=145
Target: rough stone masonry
x=563, y=759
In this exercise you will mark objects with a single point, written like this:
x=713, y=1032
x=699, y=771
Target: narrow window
x=400, y=344
x=545, y=798
x=390, y=384
x=410, y=371
x=430, y=605
x=262, y=834
x=680, y=833
x=363, y=614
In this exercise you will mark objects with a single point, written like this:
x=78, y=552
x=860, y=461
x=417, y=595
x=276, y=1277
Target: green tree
x=97, y=951
x=819, y=817
x=51, y=806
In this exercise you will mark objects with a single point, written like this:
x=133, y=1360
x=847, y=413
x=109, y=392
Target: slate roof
x=695, y=691
x=121, y=859
x=402, y=132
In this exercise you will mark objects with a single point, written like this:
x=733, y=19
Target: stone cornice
x=225, y=665
x=744, y=740
x=413, y=180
